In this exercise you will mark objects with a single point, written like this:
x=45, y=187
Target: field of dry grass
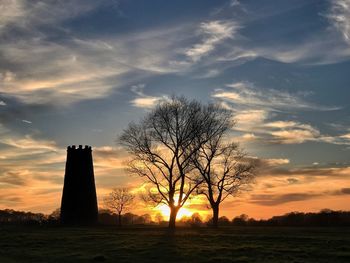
x=154, y=244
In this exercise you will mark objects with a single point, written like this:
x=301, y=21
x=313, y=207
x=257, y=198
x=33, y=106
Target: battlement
x=80, y=147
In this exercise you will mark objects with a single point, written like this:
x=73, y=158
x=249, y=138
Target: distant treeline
x=324, y=218
x=9, y=216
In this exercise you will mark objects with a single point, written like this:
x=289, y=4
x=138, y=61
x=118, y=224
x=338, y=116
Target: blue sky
x=77, y=72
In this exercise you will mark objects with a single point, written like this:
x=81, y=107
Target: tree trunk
x=172, y=218
x=215, y=209
x=120, y=219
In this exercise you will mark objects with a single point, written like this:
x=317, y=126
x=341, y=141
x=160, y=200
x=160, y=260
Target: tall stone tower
x=79, y=202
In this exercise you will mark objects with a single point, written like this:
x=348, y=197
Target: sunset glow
x=165, y=211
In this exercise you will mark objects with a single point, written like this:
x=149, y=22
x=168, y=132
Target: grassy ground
x=147, y=244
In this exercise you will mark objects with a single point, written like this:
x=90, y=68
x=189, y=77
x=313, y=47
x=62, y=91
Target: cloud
x=343, y=139
x=345, y=191
x=290, y=132
x=49, y=72
x=28, y=14
x=53, y=64
x=106, y=157
x=37, y=69
x=330, y=172
x=295, y=136
x=18, y=178
x=248, y=137
x=29, y=143
x=318, y=47
x=75, y=69
x=234, y=3
x=312, y=52
x=238, y=55
x=145, y=101
x=26, y=121
x=345, y=136
x=339, y=16
x=211, y=73
x=246, y=94
x=247, y=119
x=292, y=180
x=9, y=201
x=278, y=199
x=10, y=11
x=275, y=162
x=255, y=108
x=213, y=33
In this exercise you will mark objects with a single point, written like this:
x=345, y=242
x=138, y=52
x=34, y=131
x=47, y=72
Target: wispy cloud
x=255, y=108
x=212, y=34
x=246, y=94
x=290, y=132
x=26, y=121
x=27, y=14
x=29, y=143
x=275, y=162
x=10, y=10
x=44, y=70
x=314, y=48
x=145, y=101
x=234, y=3
x=278, y=199
x=339, y=16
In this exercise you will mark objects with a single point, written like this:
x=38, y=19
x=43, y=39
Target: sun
x=165, y=211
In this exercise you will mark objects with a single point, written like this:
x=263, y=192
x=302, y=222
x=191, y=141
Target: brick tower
x=79, y=202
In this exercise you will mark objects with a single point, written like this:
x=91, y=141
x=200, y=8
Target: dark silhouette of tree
x=10, y=216
x=107, y=217
x=240, y=220
x=54, y=217
x=224, y=168
x=119, y=200
x=145, y=219
x=324, y=218
x=223, y=220
x=159, y=218
x=130, y=219
x=196, y=220
x=162, y=146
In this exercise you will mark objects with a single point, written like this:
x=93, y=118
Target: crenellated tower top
x=80, y=147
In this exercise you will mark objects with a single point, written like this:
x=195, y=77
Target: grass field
x=152, y=244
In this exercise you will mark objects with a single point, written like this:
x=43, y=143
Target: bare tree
x=162, y=146
x=119, y=200
x=225, y=170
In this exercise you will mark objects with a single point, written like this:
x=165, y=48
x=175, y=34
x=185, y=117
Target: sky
x=77, y=72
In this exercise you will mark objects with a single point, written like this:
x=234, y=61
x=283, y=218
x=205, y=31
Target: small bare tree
x=119, y=200
x=162, y=146
x=225, y=171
